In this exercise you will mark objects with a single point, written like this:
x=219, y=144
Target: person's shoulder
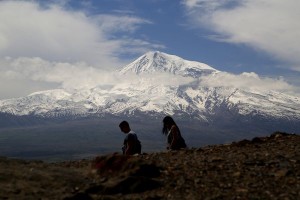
x=131, y=135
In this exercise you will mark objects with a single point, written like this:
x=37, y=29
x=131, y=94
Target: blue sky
x=42, y=42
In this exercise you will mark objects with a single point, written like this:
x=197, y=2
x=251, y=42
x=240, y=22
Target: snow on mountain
x=149, y=96
x=38, y=101
x=272, y=103
x=156, y=61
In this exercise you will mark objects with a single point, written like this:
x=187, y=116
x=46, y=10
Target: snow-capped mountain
x=162, y=62
x=161, y=84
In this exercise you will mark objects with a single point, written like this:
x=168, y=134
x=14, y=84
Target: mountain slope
x=161, y=84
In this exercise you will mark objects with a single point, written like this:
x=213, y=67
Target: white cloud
x=270, y=26
x=154, y=78
x=50, y=44
x=33, y=72
x=249, y=82
x=53, y=34
x=109, y=23
x=80, y=75
x=56, y=34
x=69, y=76
x=10, y=88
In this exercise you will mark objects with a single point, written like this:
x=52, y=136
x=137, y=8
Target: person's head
x=168, y=122
x=124, y=126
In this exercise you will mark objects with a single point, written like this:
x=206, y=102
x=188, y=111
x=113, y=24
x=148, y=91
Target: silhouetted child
x=132, y=145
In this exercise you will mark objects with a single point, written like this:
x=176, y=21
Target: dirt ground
x=261, y=168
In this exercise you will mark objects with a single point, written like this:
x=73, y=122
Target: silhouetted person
x=132, y=145
x=174, y=139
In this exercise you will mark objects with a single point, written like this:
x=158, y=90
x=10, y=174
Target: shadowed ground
x=261, y=168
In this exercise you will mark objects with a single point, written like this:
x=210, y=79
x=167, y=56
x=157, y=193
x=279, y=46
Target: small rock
x=236, y=174
x=241, y=190
x=281, y=173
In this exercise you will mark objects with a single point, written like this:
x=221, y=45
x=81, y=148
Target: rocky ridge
x=261, y=168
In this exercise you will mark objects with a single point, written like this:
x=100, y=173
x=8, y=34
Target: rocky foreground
x=261, y=168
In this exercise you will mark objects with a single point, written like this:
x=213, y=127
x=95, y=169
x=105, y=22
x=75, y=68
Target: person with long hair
x=174, y=139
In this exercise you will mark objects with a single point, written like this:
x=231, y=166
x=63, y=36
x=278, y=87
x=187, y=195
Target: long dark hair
x=168, y=120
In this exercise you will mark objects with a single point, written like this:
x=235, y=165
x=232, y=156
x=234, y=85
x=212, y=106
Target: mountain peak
x=156, y=61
